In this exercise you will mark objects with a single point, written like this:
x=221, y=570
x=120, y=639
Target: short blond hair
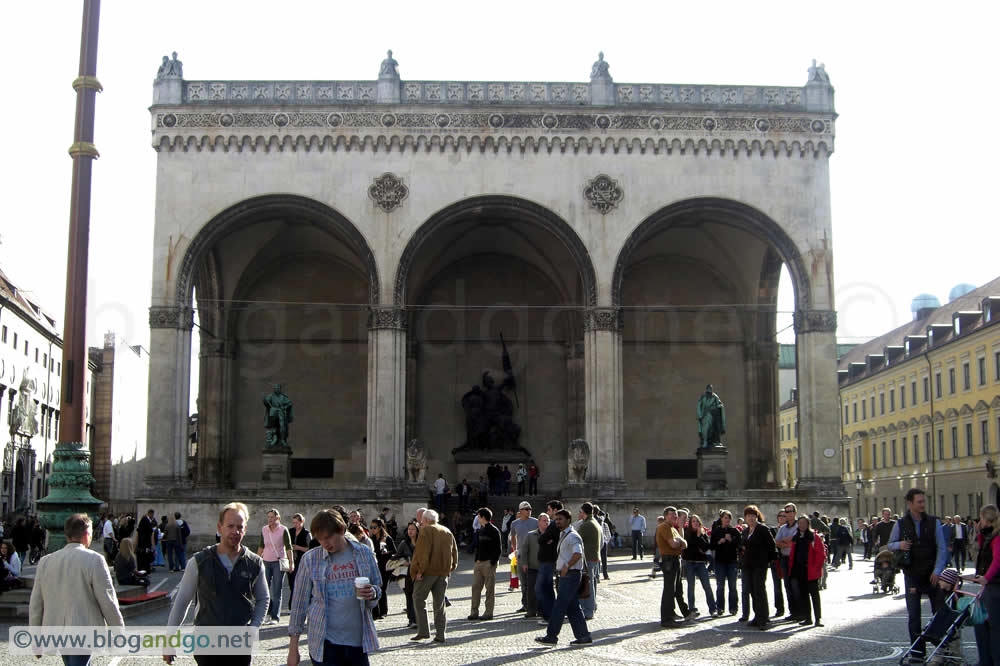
x=238, y=507
x=991, y=516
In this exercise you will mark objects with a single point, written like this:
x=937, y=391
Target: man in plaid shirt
x=342, y=630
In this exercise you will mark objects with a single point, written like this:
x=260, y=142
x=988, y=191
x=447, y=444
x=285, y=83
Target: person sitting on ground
x=11, y=567
x=127, y=570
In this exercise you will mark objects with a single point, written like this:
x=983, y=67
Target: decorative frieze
x=815, y=321
x=386, y=318
x=171, y=316
x=388, y=192
x=603, y=194
x=604, y=319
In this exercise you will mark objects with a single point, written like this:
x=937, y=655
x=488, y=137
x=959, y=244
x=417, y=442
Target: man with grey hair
x=434, y=558
x=959, y=542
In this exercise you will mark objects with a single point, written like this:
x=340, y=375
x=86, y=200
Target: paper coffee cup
x=361, y=584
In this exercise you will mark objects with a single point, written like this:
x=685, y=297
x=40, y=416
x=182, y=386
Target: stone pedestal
x=712, y=464
x=275, y=469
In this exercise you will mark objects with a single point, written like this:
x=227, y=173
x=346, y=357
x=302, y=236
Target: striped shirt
x=309, y=604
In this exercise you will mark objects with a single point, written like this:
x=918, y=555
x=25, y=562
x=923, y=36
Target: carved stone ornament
x=578, y=460
x=815, y=321
x=388, y=192
x=171, y=316
x=386, y=317
x=604, y=319
x=603, y=193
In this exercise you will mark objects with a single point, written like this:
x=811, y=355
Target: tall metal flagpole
x=73, y=399
x=71, y=476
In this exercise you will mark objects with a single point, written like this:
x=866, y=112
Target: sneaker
x=582, y=641
x=486, y=618
x=691, y=614
x=474, y=616
x=671, y=624
x=419, y=637
x=547, y=640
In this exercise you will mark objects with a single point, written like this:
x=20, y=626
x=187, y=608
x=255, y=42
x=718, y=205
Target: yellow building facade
x=788, y=441
x=920, y=407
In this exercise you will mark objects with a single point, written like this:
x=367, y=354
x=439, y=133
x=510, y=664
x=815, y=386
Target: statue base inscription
x=712, y=464
x=275, y=468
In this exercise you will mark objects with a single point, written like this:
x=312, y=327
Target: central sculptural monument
x=491, y=433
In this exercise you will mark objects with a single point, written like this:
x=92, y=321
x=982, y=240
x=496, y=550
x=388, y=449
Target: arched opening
x=698, y=283
x=282, y=287
x=478, y=269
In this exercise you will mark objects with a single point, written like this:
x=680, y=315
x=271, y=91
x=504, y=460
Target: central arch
x=498, y=207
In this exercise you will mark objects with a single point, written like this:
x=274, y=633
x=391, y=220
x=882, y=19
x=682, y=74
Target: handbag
x=584, y=591
x=283, y=564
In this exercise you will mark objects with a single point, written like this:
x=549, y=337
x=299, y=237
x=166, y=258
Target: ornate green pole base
x=69, y=491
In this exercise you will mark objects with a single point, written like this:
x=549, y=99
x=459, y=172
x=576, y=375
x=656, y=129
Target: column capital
x=386, y=317
x=815, y=321
x=604, y=319
x=171, y=316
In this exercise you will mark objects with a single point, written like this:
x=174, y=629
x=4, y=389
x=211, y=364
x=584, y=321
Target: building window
x=940, y=450
x=951, y=381
x=956, y=503
x=927, y=389
x=857, y=458
x=966, y=377
x=14, y=343
x=855, y=410
x=927, y=446
x=892, y=399
x=913, y=393
x=968, y=439
x=796, y=430
x=895, y=463
x=996, y=366
x=954, y=441
x=45, y=360
x=902, y=397
x=25, y=347
x=881, y=403
x=864, y=409
x=874, y=456
x=916, y=449
x=36, y=354
x=981, y=366
x=883, y=455
x=937, y=384
x=985, y=433
x=847, y=414
x=3, y=334
x=906, y=454
x=873, y=405
x=59, y=369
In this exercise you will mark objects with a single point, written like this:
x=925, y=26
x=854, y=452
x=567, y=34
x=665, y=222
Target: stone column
x=603, y=376
x=819, y=413
x=211, y=412
x=761, y=359
x=169, y=387
x=386, y=396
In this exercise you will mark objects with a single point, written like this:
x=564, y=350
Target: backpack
x=185, y=531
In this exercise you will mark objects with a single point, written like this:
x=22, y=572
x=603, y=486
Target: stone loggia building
x=365, y=243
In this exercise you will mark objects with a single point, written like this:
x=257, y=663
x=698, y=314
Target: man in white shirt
x=440, y=488
x=637, y=524
x=959, y=542
x=108, y=535
x=569, y=564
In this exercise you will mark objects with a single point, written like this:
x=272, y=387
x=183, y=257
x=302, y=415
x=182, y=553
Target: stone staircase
x=14, y=603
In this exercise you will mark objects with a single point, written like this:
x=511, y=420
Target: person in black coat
x=485, y=568
x=385, y=549
x=301, y=539
x=725, y=542
x=407, y=546
x=758, y=553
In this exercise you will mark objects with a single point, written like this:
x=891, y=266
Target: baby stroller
x=944, y=628
x=885, y=574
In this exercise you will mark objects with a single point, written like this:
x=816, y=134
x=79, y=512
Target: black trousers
x=807, y=590
x=776, y=583
x=670, y=565
x=758, y=592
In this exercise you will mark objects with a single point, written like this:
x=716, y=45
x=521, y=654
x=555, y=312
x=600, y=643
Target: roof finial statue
x=170, y=68
x=818, y=73
x=600, y=68
x=388, y=69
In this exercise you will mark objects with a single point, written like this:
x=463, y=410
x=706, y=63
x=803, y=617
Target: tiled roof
x=14, y=297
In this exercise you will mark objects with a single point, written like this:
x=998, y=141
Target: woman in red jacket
x=806, y=562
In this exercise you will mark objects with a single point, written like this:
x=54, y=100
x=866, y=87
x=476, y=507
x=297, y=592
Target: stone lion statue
x=416, y=462
x=579, y=460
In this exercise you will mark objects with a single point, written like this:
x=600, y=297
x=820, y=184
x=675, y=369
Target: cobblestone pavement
x=860, y=629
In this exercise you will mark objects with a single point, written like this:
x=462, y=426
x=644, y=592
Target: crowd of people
x=558, y=557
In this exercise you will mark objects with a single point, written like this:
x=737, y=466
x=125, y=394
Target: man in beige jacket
x=434, y=558
x=73, y=586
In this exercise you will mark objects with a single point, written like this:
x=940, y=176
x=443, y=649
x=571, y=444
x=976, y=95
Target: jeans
x=275, y=577
x=544, y=592
x=590, y=605
x=484, y=574
x=776, y=584
x=804, y=591
x=636, y=544
x=436, y=586
x=958, y=552
x=913, y=607
x=342, y=655
x=439, y=504
x=568, y=605
x=170, y=551
x=699, y=569
x=988, y=633
x=179, y=555
x=670, y=565
x=725, y=574
x=604, y=560
x=791, y=591
x=411, y=614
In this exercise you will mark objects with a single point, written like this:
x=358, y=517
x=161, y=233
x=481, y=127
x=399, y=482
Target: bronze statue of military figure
x=711, y=419
x=277, y=417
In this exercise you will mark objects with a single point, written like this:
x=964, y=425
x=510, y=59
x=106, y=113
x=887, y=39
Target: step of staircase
x=14, y=603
